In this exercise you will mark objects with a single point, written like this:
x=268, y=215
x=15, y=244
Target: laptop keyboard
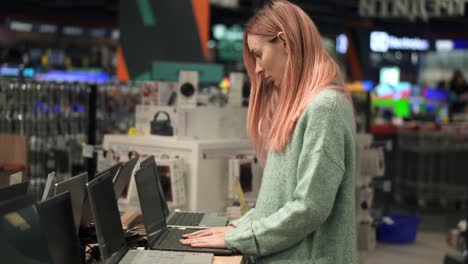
x=186, y=219
x=172, y=242
x=165, y=257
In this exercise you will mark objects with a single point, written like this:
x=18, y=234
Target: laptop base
x=171, y=242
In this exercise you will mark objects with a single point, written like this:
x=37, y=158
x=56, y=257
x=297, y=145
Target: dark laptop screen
x=150, y=201
x=122, y=179
x=22, y=240
x=57, y=220
x=151, y=161
x=13, y=191
x=106, y=215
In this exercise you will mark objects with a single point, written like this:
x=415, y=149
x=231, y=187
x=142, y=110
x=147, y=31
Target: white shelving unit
x=206, y=164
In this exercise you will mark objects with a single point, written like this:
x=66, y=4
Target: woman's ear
x=282, y=38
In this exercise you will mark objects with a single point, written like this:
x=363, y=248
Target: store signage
x=72, y=31
x=226, y=3
x=47, y=28
x=115, y=34
x=445, y=45
x=230, y=41
x=21, y=26
x=382, y=42
x=412, y=9
x=342, y=43
x=97, y=32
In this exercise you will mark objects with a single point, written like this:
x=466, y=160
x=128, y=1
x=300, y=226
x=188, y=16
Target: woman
x=301, y=124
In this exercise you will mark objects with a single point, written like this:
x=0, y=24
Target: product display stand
x=206, y=164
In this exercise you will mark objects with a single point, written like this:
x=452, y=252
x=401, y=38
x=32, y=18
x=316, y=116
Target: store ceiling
x=330, y=15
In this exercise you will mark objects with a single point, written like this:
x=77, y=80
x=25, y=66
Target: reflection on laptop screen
x=22, y=239
x=150, y=201
x=106, y=215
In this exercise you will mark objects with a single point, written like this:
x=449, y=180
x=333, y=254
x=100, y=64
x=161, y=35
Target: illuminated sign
x=230, y=41
x=445, y=45
x=21, y=26
x=47, y=28
x=342, y=44
x=412, y=9
x=72, y=31
x=382, y=42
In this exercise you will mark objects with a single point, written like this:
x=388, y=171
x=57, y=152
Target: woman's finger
x=201, y=233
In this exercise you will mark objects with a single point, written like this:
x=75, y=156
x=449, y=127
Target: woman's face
x=270, y=57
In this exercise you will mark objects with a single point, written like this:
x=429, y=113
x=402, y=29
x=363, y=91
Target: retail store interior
x=104, y=99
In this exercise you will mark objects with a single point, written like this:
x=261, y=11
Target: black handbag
x=162, y=127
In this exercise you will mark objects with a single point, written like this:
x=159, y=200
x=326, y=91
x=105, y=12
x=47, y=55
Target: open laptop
x=76, y=186
x=22, y=239
x=13, y=191
x=122, y=179
x=182, y=219
x=159, y=235
x=48, y=186
x=56, y=217
x=110, y=234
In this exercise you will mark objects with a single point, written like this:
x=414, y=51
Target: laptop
x=13, y=191
x=56, y=217
x=22, y=239
x=48, y=186
x=122, y=179
x=76, y=186
x=182, y=219
x=161, y=237
x=110, y=234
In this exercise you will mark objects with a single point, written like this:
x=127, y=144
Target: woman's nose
x=258, y=69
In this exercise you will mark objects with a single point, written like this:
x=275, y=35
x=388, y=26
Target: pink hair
x=273, y=112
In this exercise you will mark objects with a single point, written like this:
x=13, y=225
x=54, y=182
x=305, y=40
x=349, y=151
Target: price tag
x=16, y=178
x=87, y=151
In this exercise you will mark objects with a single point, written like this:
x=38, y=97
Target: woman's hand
x=210, y=238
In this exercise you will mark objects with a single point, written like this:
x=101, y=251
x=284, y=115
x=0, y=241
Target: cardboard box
x=13, y=157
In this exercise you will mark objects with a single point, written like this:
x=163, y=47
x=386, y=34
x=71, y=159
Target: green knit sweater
x=305, y=210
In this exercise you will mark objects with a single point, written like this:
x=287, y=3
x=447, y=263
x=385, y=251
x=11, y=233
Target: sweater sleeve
x=247, y=217
x=319, y=176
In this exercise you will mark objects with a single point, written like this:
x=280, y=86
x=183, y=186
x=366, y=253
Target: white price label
x=87, y=151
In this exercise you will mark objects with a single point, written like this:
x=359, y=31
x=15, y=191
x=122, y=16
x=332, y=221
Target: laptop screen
x=152, y=161
x=150, y=201
x=57, y=220
x=22, y=240
x=76, y=186
x=109, y=230
x=121, y=181
x=13, y=191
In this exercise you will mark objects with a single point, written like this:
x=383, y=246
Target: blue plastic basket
x=403, y=230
